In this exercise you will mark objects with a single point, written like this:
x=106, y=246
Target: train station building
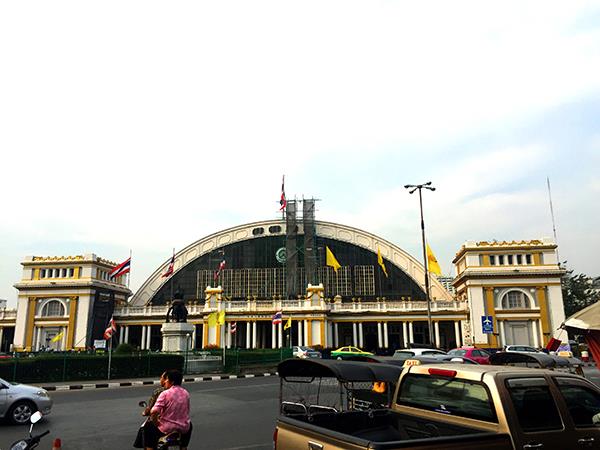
x=504, y=293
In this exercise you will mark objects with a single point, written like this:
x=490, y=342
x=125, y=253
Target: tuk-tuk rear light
x=442, y=372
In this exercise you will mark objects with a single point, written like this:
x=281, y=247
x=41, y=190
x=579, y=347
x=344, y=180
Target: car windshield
x=305, y=348
x=457, y=352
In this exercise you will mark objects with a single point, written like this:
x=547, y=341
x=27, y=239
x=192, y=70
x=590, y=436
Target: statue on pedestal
x=177, y=311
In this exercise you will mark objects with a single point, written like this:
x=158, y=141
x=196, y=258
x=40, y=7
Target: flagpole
x=172, y=275
x=109, y=355
x=129, y=273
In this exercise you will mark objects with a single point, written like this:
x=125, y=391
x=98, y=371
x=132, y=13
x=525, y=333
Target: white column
x=379, y=336
x=386, y=343
x=328, y=334
x=541, y=333
x=248, y=334
x=305, y=334
x=502, y=333
x=436, y=327
x=300, y=332
x=535, y=333
x=148, y=336
x=411, y=336
x=280, y=334
x=457, y=333
x=354, y=336
x=360, y=334
x=127, y=334
x=254, y=334
x=273, y=336
x=193, y=343
x=143, y=341
x=121, y=336
x=404, y=334
x=1, y=333
x=336, y=335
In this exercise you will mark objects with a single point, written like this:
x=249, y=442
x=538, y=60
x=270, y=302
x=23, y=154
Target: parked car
x=19, y=401
x=5, y=356
x=344, y=352
x=476, y=354
x=521, y=348
x=299, y=351
x=408, y=352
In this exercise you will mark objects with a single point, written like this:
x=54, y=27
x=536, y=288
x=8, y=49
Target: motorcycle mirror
x=36, y=417
x=142, y=404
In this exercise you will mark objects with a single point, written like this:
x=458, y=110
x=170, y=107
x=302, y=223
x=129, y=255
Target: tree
x=579, y=291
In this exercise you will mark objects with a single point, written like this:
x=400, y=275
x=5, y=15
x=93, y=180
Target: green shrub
x=124, y=349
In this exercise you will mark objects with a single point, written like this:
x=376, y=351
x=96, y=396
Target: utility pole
x=412, y=188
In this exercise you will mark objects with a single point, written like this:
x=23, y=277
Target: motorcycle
x=171, y=441
x=32, y=441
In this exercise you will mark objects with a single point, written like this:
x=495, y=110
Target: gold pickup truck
x=328, y=405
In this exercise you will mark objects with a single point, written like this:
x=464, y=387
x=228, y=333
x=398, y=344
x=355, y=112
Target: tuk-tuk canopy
x=349, y=371
x=542, y=360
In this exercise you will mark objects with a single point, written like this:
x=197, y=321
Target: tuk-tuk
x=310, y=386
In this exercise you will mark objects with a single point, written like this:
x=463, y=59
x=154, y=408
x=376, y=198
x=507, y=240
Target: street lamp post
x=412, y=188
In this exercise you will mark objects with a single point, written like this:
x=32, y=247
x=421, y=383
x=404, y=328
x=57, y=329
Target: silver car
x=19, y=401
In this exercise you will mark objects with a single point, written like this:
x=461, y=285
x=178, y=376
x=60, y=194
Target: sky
x=145, y=125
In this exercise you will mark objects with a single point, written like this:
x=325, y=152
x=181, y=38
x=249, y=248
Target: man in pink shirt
x=170, y=413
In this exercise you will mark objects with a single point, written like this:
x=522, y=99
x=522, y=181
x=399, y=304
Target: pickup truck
x=434, y=406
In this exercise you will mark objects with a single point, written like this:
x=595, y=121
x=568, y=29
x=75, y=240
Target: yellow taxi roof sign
x=411, y=362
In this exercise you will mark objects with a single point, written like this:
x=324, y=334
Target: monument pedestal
x=177, y=336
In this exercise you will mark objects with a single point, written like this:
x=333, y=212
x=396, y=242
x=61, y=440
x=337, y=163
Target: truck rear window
x=452, y=396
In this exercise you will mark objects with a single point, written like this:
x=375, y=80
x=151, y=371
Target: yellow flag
x=288, y=324
x=212, y=320
x=432, y=262
x=221, y=318
x=380, y=261
x=330, y=259
x=58, y=337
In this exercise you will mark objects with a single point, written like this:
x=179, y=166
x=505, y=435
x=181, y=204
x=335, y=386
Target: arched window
x=53, y=308
x=515, y=300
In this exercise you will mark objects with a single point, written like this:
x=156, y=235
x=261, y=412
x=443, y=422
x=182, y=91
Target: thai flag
x=110, y=330
x=277, y=318
x=233, y=327
x=120, y=270
x=282, y=201
x=169, y=271
x=220, y=269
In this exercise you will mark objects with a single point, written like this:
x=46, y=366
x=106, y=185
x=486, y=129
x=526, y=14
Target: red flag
x=277, y=318
x=219, y=269
x=282, y=201
x=233, y=327
x=110, y=330
x=169, y=271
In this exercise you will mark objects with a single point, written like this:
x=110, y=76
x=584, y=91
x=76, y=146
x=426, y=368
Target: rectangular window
x=533, y=402
x=501, y=260
x=492, y=260
x=451, y=396
x=63, y=273
x=519, y=259
x=583, y=403
x=527, y=259
x=71, y=272
x=42, y=273
x=510, y=259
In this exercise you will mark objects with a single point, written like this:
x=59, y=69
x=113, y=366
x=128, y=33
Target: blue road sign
x=487, y=324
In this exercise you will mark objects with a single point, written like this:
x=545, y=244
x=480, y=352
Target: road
x=234, y=414
x=227, y=414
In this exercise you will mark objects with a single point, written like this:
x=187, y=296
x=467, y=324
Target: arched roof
x=343, y=233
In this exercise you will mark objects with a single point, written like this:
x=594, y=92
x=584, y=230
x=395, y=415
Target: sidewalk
x=104, y=384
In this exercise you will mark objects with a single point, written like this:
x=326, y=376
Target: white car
x=410, y=352
x=303, y=352
x=521, y=349
x=19, y=401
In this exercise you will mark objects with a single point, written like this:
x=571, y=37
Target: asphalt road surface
x=227, y=414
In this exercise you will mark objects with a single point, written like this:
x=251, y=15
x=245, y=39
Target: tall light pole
x=412, y=188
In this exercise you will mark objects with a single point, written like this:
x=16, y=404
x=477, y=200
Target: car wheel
x=21, y=412
x=339, y=358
